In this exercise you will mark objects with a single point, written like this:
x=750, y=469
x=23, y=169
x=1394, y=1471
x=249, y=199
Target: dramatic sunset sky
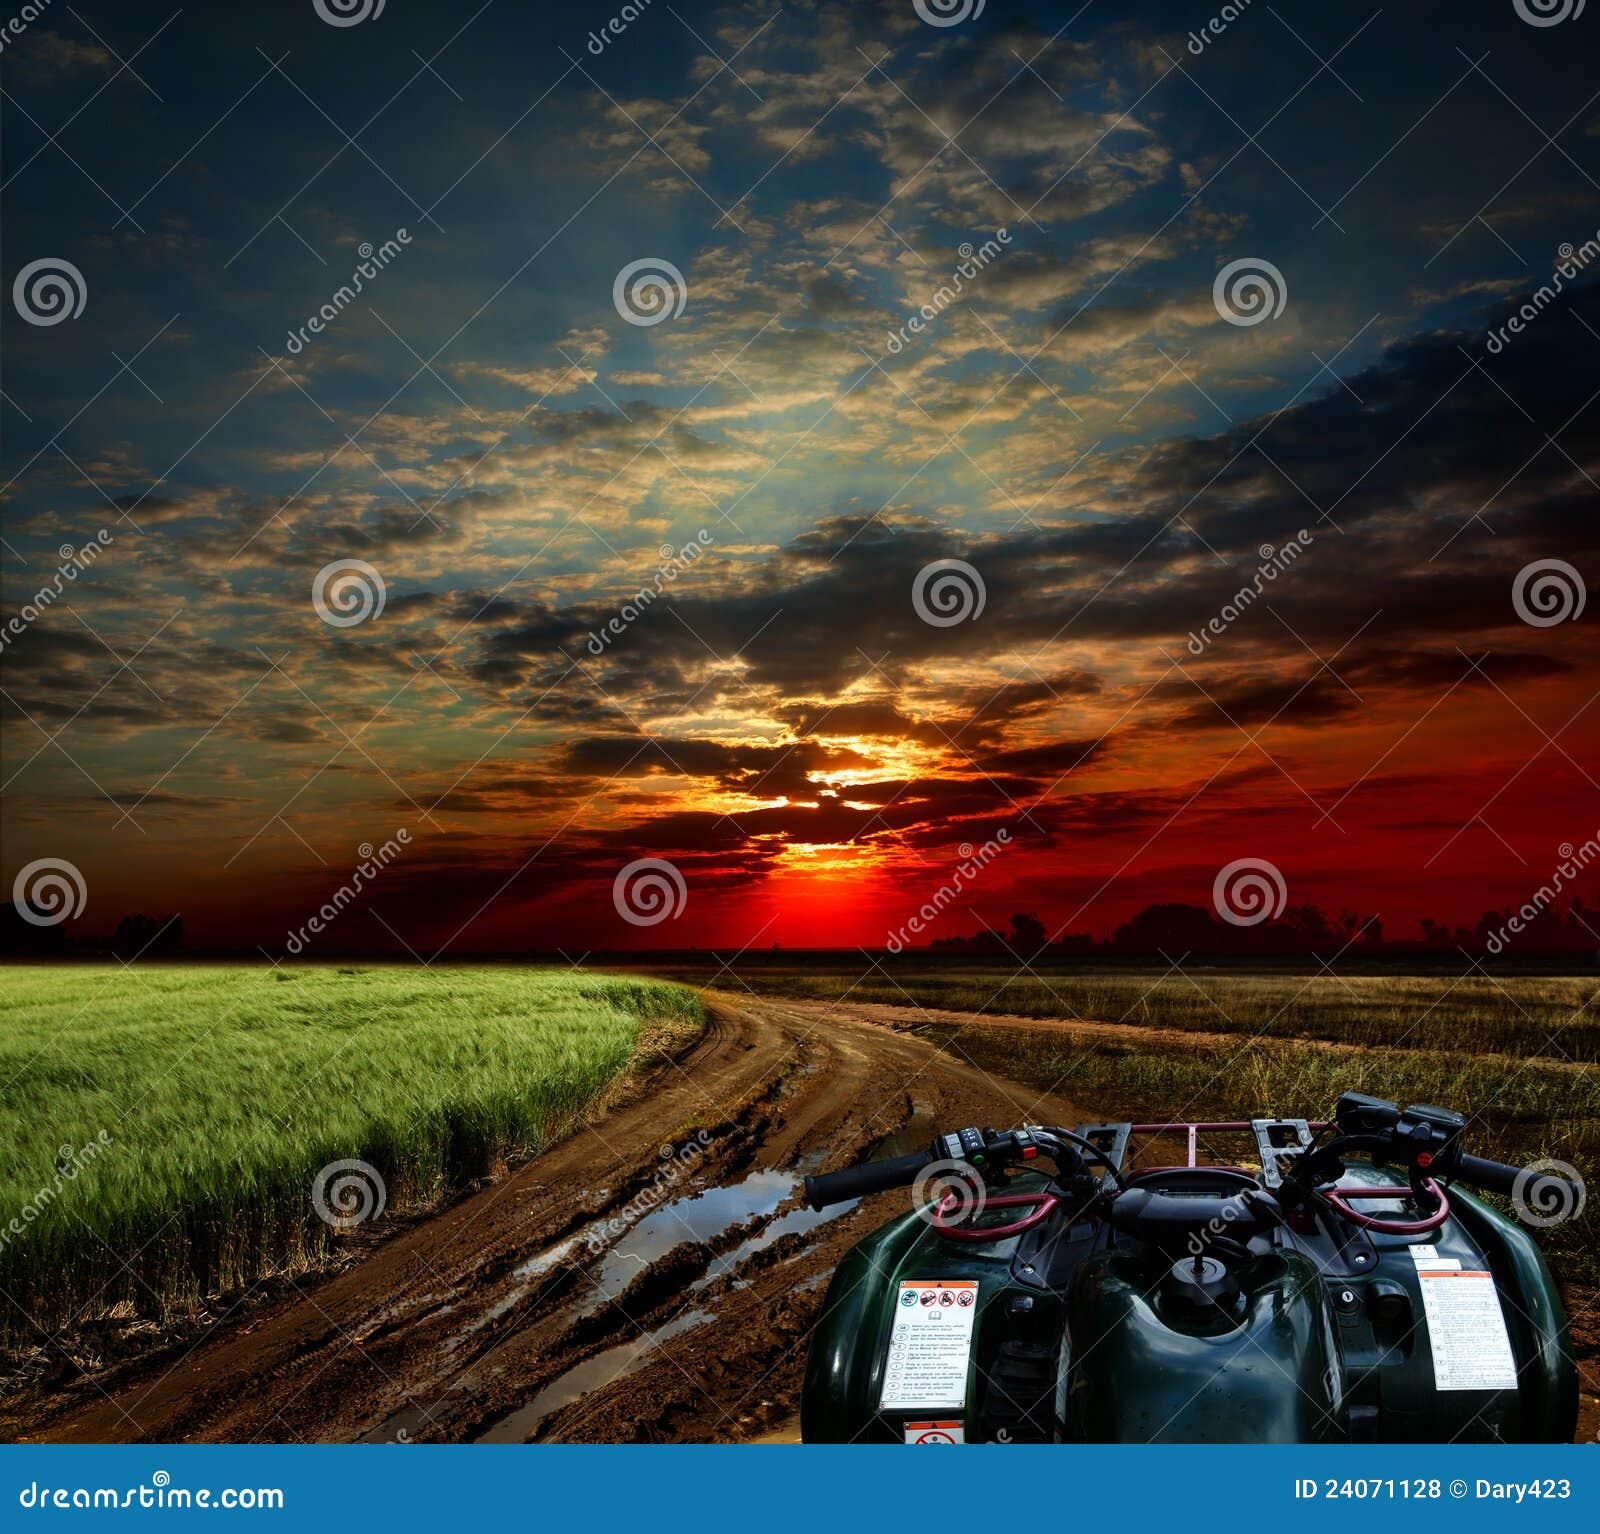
x=1082, y=425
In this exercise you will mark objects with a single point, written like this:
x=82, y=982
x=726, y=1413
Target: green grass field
x=194, y=1106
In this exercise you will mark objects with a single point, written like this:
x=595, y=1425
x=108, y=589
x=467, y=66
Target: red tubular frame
x=1043, y=1204
x=1337, y=1199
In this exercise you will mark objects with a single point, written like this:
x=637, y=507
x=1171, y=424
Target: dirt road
x=653, y=1278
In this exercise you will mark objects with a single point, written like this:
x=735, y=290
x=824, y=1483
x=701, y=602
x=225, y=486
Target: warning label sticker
x=929, y=1347
x=1428, y=1257
x=936, y=1432
x=1466, y=1327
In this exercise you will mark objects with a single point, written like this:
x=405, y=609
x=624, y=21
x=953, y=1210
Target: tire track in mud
x=652, y=1278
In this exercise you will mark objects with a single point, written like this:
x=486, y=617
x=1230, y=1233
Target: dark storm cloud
x=1401, y=459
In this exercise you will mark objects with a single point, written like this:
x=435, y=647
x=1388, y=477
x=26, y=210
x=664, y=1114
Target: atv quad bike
x=1344, y=1287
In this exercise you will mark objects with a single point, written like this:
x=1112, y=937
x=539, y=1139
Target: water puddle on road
x=795, y=1222
x=700, y=1216
x=592, y=1374
x=696, y=1217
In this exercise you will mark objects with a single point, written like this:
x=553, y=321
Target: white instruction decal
x=1428, y=1257
x=929, y=1345
x=1466, y=1329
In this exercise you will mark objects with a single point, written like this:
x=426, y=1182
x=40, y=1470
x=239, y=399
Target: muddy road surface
x=653, y=1278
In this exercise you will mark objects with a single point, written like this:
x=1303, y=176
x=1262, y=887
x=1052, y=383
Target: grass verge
x=164, y=1129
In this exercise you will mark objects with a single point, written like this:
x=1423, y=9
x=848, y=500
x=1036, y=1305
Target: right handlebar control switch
x=1429, y=1137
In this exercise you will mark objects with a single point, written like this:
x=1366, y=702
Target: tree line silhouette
x=1174, y=928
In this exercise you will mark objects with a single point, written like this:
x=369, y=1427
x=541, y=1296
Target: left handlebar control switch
x=964, y=1145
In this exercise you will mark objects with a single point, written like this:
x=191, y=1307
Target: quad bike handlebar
x=869, y=1177
x=972, y=1153
x=1230, y=1204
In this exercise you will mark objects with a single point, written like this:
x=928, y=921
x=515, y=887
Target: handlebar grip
x=869, y=1177
x=1495, y=1176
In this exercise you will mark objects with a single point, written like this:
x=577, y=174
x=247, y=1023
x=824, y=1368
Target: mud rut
x=654, y=1278
x=606, y=1291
